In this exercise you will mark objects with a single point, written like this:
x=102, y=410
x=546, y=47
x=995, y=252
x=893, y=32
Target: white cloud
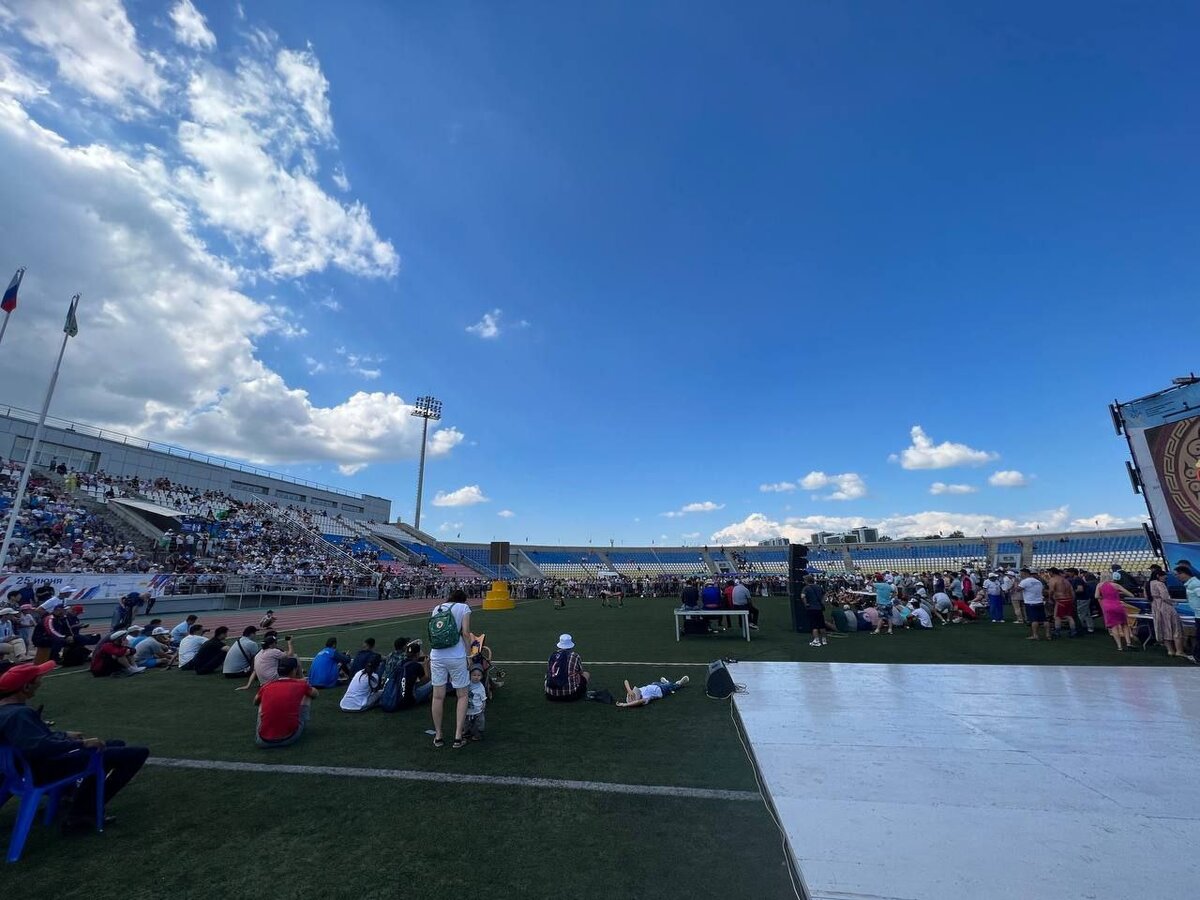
x=351, y=468
x=306, y=83
x=506, y=514
x=924, y=454
x=464, y=496
x=190, y=27
x=691, y=536
x=940, y=487
x=1007, y=478
x=703, y=506
x=361, y=364
x=758, y=527
x=330, y=303
x=447, y=527
x=847, y=486
x=488, y=327
x=1107, y=520
x=340, y=179
x=94, y=47
x=314, y=366
x=176, y=316
x=779, y=487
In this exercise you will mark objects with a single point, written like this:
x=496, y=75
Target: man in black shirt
x=211, y=655
x=54, y=755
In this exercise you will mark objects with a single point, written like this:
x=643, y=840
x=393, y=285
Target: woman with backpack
x=449, y=629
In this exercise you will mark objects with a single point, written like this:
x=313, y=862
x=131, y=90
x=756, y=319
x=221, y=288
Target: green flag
x=71, y=328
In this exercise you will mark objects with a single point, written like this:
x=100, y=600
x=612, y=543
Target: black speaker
x=797, y=569
x=797, y=561
x=499, y=553
x=720, y=683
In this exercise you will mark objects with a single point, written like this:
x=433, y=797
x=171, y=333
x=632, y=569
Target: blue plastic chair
x=16, y=780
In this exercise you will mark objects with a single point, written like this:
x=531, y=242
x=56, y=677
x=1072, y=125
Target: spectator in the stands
x=283, y=706
x=154, y=651
x=112, y=657
x=211, y=655
x=566, y=679
x=267, y=660
x=239, y=661
x=183, y=629
x=364, y=657
x=54, y=755
x=329, y=666
x=190, y=645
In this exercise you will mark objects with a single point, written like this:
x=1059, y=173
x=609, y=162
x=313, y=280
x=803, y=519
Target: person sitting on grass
x=406, y=677
x=240, y=658
x=54, y=755
x=566, y=679
x=877, y=622
x=112, y=657
x=267, y=660
x=365, y=688
x=365, y=656
x=190, y=645
x=154, y=651
x=919, y=617
x=643, y=696
x=283, y=706
x=476, y=704
x=211, y=655
x=329, y=667
x=183, y=629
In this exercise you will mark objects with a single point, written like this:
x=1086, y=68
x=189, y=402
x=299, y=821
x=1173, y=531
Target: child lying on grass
x=644, y=695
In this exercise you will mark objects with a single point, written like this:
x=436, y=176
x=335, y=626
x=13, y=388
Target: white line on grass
x=601, y=787
x=596, y=662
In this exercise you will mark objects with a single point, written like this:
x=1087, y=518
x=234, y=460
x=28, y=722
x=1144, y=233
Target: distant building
x=774, y=542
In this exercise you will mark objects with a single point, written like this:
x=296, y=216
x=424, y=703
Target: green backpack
x=443, y=630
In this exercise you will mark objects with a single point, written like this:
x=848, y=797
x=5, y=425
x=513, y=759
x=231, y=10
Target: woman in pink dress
x=1116, y=619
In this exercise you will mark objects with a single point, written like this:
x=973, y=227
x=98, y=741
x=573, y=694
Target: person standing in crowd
x=1168, y=626
x=1033, y=595
x=1083, y=601
x=240, y=658
x=1191, y=585
x=995, y=598
x=1012, y=590
x=284, y=705
x=1116, y=617
x=449, y=636
x=476, y=704
x=743, y=601
x=1062, y=595
x=566, y=679
x=814, y=603
x=54, y=755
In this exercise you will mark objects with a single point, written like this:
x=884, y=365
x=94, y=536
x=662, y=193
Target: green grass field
x=194, y=833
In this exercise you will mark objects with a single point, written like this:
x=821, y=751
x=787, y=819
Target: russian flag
x=9, y=303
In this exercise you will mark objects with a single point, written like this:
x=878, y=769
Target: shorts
x=449, y=670
x=1035, y=612
x=1064, y=609
x=816, y=619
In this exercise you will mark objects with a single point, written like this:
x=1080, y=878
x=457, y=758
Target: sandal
x=458, y=744
x=438, y=742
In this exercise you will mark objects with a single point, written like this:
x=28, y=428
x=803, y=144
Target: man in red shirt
x=283, y=706
x=113, y=657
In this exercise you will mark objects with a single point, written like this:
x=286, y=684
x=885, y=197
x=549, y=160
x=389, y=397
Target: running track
x=317, y=615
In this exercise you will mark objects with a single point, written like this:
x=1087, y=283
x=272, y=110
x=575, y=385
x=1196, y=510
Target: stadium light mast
x=426, y=408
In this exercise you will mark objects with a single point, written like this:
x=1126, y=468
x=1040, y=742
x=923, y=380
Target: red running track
x=317, y=615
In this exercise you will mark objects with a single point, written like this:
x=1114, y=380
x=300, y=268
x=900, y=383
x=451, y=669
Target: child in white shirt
x=476, y=703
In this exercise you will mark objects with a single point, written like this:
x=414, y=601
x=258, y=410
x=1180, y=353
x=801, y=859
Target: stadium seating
x=683, y=561
x=920, y=556
x=481, y=557
x=1094, y=552
x=566, y=564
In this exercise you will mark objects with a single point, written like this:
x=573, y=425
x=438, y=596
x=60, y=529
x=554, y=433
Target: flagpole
x=37, y=439
x=4, y=325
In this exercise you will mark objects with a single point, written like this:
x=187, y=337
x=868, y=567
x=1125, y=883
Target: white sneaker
x=136, y=669
x=663, y=681
x=824, y=642
x=754, y=627
x=682, y=681
x=814, y=643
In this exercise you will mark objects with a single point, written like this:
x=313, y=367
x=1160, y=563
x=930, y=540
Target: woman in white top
x=364, y=689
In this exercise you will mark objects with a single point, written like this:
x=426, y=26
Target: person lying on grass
x=643, y=696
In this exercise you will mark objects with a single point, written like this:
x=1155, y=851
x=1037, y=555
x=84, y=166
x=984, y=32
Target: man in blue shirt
x=329, y=666
x=180, y=631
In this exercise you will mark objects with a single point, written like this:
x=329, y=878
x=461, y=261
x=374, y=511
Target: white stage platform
x=965, y=782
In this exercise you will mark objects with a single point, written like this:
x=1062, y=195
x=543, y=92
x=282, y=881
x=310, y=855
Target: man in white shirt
x=1034, y=597
x=1008, y=586
x=942, y=607
x=995, y=597
x=920, y=616
x=190, y=645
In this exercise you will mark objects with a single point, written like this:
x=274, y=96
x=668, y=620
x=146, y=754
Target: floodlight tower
x=426, y=408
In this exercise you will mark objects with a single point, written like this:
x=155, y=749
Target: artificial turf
x=200, y=833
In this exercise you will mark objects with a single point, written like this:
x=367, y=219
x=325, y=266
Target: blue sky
x=729, y=248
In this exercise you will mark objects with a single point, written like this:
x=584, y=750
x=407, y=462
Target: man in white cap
x=57, y=600
x=155, y=651
x=566, y=679
x=12, y=646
